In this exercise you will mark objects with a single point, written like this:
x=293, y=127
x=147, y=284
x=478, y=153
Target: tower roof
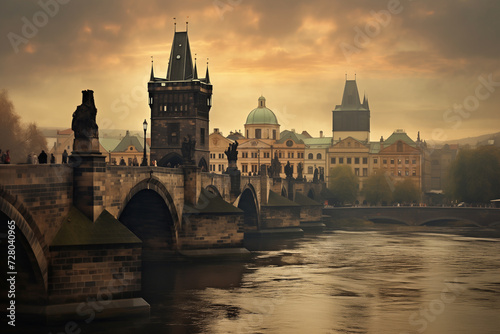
x=350, y=99
x=180, y=66
x=261, y=114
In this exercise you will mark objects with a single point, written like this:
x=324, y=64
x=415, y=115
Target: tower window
x=318, y=156
x=274, y=134
x=202, y=136
x=258, y=133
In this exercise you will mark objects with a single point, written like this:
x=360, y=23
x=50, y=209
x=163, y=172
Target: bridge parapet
x=45, y=191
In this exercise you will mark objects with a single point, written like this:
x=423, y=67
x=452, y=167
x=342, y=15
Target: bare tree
x=19, y=139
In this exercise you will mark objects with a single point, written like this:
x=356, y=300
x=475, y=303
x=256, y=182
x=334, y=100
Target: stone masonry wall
x=311, y=213
x=279, y=217
x=211, y=231
x=45, y=190
x=221, y=181
x=100, y=272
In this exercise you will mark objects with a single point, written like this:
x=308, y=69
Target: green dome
x=261, y=114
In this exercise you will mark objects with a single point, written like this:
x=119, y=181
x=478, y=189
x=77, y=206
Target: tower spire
x=175, y=25
x=195, y=74
x=207, y=76
x=152, y=77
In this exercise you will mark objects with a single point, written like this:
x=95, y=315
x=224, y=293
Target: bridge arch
x=386, y=220
x=172, y=159
x=311, y=194
x=247, y=201
x=150, y=213
x=213, y=190
x=203, y=164
x=447, y=221
x=30, y=241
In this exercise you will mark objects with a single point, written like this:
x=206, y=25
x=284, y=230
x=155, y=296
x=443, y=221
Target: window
x=258, y=133
x=318, y=156
x=407, y=172
x=244, y=168
x=254, y=168
x=365, y=161
x=173, y=133
x=384, y=161
x=349, y=161
x=341, y=160
x=356, y=161
x=399, y=173
x=247, y=133
x=300, y=155
x=333, y=161
x=365, y=171
x=414, y=172
x=399, y=161
x=407, y=161
x=310, y=156
x=356, y=171
x=414, y=161
x=274, y=134
x=392, y=161
x=310, y=170
x=375, y=161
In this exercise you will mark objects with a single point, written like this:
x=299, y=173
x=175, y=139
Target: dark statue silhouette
x=84, y=118
x=231, y=152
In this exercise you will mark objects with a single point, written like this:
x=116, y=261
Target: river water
x=383, y=281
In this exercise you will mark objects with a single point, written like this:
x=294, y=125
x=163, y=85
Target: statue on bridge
x=315, y=175
x=299, y=172
x=232, y=153
x=275, y=168
x=288, y=170
x=187, y=149
x=84, y=124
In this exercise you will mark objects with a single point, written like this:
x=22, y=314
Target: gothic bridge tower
x=180, y=106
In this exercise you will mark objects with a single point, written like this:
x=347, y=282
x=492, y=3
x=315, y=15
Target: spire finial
x=152, y=76
x=175, y=25
x=354, y=76
x=187, y=23
x=346, y=76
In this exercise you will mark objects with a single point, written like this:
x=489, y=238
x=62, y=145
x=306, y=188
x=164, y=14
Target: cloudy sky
x=428, y=66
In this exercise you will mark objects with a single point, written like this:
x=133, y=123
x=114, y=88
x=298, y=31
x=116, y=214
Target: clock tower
x=180, y=104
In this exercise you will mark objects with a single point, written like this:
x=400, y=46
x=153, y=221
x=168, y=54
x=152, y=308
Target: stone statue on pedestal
x=288, y=170
x=84, y=125
x=187, y=149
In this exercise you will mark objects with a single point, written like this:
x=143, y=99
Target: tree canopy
x=474, y=176
x=406, y=192
x=377, y=189
x=343, y=184
x=19, y=139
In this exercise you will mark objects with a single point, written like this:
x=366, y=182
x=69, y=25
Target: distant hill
x=473, y=141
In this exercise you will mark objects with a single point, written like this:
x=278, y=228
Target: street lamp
x=144, y=158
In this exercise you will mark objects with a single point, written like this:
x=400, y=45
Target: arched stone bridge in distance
x=415, y=216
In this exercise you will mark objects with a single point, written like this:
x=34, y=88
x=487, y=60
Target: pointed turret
x=152, y=77
x=365, y=102
x=195, y=71
x=207, y=76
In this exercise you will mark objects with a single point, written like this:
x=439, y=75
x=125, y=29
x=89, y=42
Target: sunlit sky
x=417, y=61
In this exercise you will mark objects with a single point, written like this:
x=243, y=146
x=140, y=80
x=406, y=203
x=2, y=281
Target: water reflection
x=335, y=282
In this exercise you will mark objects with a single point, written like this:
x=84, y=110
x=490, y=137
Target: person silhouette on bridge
x=42, y=157
x=65, y=157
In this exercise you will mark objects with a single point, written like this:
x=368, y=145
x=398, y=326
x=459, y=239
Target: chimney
x=321, y=134
x=381, y=142
x=216, y=130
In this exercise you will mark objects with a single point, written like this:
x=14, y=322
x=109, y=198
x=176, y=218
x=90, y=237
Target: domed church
x=262, y=123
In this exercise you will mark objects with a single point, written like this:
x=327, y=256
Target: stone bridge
x=429, y=216
x=83, y=227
